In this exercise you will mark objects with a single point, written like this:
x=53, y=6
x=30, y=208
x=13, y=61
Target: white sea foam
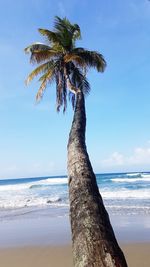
x=56, y=199
x=146, y=176
x=131, y=180
x=50, y=192
x=55, y=181
x=25, y=201
x=133, y=207
x=35, y=193
x=18, y=187
x=126, y=194
x=14, y=187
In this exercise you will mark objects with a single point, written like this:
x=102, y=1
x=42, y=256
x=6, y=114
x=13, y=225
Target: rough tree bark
x=93, y=239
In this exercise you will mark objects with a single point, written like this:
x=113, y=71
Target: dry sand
x=137, y=255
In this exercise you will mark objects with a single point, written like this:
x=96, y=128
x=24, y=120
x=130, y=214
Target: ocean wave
x=133, y=207
x=56, y=181
x=146, y=175
x=14, y=187
x=131, y=180
x=53, y=191
x=22, y=202
x=138, y=175
x=48, y=182
x=31, y=185
x=135, y=174
x=35, y=186
x=126, y=194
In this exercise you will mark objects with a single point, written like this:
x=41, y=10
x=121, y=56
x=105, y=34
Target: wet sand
x=46, y=241
x=137, y=255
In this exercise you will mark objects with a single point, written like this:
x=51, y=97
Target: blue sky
x=33, y=138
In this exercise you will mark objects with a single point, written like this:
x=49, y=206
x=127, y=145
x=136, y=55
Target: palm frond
x=80, y=81
x=45, y=79
x=67, y=32
x=77, y=79
x=90, y=58
x=44, y=76
x=40, y=69
x=51, y=36
x=76, y=32
x=61, y=24
x=61, y=90
x=64, y=24
x=72, y=99
x=41, y=56
x=36, y=47
x=62, y=62
x=74, y=57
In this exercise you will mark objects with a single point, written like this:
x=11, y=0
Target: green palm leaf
x=62, y=25
x=51, y=36
x=62, y=62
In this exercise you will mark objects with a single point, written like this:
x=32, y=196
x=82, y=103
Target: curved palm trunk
x=94, y=242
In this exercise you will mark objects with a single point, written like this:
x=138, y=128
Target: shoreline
x=137, y=255
x=48, y=230
x=44, y=239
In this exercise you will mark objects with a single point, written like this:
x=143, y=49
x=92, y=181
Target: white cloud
x=140, y=157
x=116, y=158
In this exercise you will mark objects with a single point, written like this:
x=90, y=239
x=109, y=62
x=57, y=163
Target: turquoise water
x=123, y=193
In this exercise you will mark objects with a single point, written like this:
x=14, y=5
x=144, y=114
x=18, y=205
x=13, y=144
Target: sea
x=123, y=194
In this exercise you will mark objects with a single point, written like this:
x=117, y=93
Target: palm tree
x=60, y=61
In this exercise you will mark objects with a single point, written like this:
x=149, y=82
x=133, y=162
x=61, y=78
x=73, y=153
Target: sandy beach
x=137, y=255
x=46, y=242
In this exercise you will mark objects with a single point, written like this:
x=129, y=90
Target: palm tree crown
x=61, y=62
